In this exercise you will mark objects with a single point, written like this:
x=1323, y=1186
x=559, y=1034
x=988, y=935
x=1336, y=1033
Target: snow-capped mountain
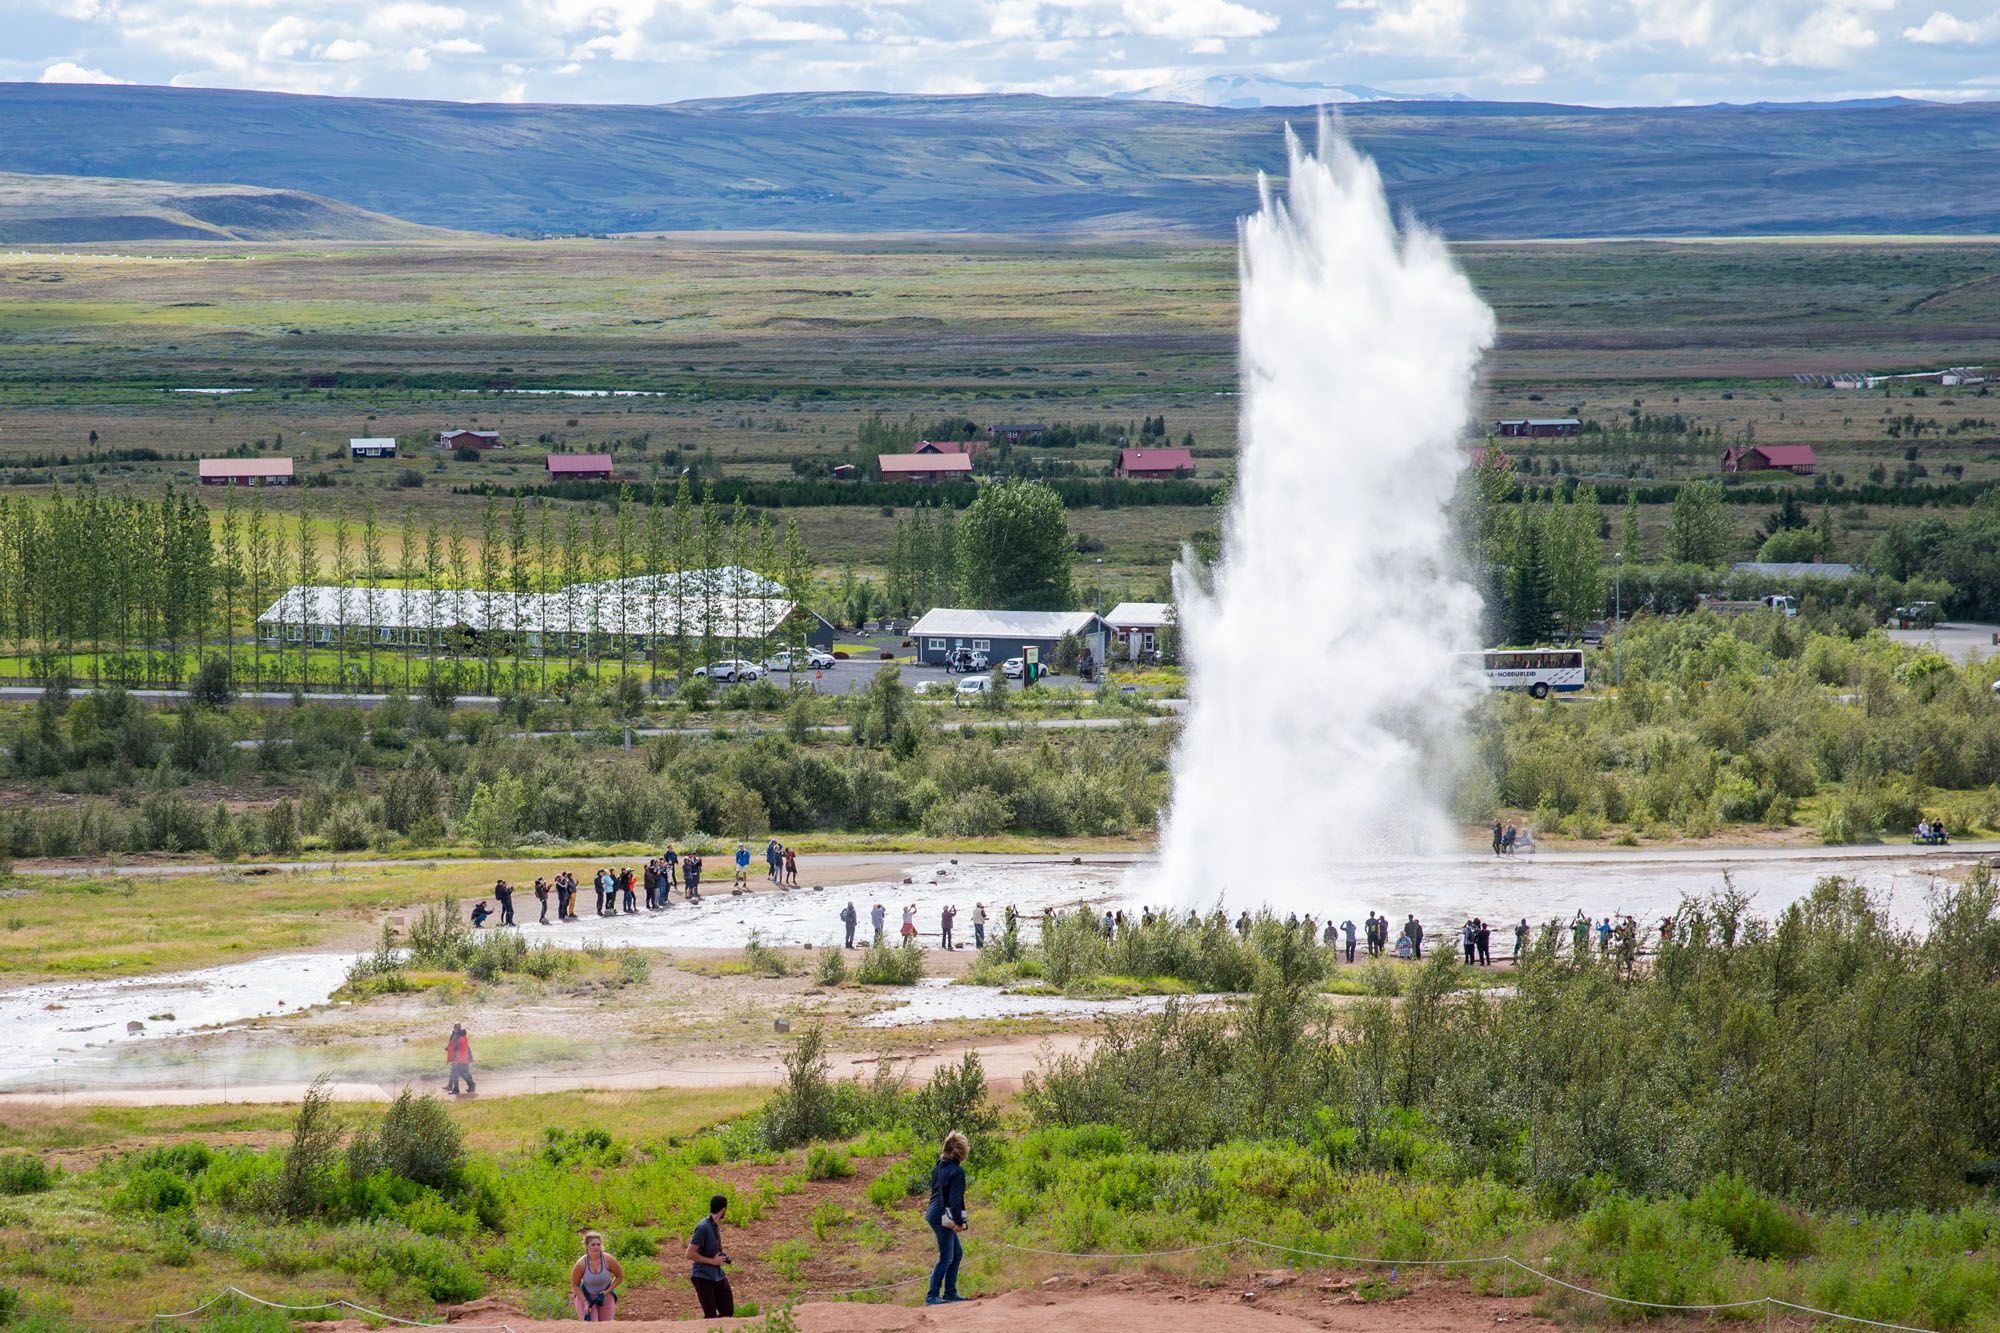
x=1254, y=90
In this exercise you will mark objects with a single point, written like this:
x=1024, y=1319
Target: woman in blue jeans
x=946, y=1215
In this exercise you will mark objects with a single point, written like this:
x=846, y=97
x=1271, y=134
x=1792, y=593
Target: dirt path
x=1006, y=1060
x=1273, y=1302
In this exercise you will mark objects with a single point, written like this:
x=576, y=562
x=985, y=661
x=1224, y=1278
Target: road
x=846, y=677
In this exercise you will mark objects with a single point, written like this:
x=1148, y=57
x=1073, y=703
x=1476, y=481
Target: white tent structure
x=623, y=616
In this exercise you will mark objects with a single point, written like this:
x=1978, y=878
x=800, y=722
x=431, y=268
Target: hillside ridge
x=873, y=162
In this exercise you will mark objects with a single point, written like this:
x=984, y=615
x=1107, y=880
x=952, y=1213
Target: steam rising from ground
x=1325, y=694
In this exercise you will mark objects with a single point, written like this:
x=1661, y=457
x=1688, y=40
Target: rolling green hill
x=865, y=162
x=77, y=209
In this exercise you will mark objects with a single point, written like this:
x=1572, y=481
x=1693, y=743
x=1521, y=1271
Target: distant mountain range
x=1258, y=90
x=874, y=162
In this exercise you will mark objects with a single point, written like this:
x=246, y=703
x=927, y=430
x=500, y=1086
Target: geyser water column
x=1325, y=686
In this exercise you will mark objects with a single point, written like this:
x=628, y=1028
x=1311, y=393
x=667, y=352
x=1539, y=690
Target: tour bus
x=1536, y=670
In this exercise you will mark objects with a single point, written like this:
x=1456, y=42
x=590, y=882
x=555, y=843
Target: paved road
x=841, y=678
x=1955, y=639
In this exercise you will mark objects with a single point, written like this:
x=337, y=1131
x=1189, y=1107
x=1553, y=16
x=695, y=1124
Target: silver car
x=730, y=669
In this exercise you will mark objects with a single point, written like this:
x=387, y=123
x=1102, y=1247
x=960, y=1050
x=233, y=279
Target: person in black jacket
x=946, y=1214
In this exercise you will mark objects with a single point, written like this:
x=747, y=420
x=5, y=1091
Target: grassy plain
x=757, y=351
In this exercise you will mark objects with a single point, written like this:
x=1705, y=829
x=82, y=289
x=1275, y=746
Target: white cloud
x=1825, y=39
x=68, y=71
x=1195, y=18
x=1943, y=28
x=1603, y=51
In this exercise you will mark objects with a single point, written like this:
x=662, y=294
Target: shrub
x=832, y=968
x=241, y=1181
x=884, y=965
x=348, y=827
x=828, y=1163
x=955, y=1098
x=23, y=1173
x=154, y=1191
x=762, y=958
x=440, y=937
x=186, y=1160
x=1756, y=1226
x=885, y=1189
x=803, y=1110
x=306, y=1172
x=416, y=1140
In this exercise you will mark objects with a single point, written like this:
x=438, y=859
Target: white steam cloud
x=1325, y=686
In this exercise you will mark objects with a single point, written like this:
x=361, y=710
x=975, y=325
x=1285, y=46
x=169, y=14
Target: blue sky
x=1604, y=52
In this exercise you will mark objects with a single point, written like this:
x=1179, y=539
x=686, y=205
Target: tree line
x=116, y=588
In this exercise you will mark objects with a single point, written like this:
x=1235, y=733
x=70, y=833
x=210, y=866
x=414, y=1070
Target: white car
x=732, y=669
x=975, y=684
x=817, y=659
x=1013, y=667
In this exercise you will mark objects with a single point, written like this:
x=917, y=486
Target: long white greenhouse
x=721, y=607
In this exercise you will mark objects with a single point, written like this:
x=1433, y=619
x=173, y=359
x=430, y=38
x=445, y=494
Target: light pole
x=1618, y=617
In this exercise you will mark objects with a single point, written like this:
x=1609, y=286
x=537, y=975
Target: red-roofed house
x=579, y=467
x=1797, y=459
x=1155, y=464
x=925, y=467
x=966, y=447
x=246, y=471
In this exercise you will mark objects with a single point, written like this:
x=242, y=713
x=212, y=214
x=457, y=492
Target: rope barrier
x=1767, y=1302
x=338, y=1304
x=1252, y=1242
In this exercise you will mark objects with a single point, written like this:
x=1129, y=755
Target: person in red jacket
x=458, y=1056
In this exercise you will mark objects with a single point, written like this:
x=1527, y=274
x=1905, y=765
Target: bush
x=762, y=958
x=828, y=1163
x=1757, y=1227
x=416, y=1140
x=306, y=1172
x=212, y=686
x=804, y=1109
x=885, y=1189
x=23, y=1173
x=832, y=968
x=955, y=1098
x=241, y=1181
x=883, y=965
x=154, y=1191
x=186, y=1160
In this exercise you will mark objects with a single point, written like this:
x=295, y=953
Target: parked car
x=1013, y=666
x=966, y=659
x=731, y=669
x=816, y=659
x=975, y=685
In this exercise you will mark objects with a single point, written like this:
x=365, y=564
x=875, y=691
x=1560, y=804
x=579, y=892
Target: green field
x=765, y=352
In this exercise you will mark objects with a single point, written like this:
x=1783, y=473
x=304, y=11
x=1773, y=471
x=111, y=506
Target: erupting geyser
x=1324, y=683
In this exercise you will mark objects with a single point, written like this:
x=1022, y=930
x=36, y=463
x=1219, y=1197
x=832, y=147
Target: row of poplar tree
x=126, y=589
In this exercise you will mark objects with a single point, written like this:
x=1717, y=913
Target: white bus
x=1536, y=670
